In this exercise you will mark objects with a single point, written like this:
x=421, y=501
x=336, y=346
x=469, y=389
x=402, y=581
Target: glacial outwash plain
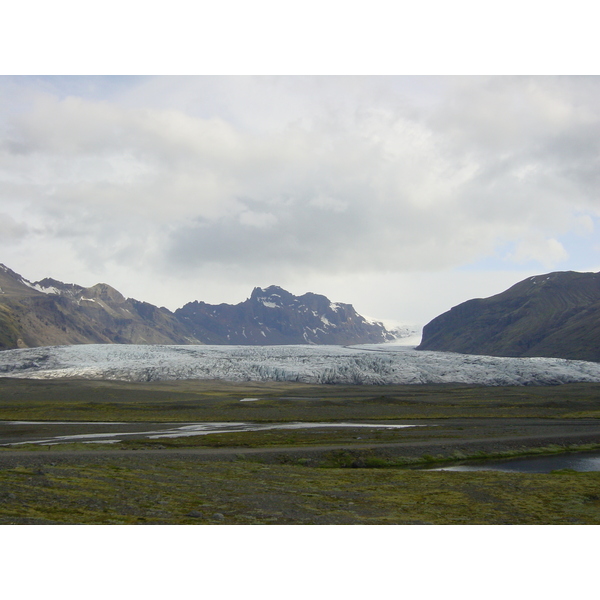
x=117, y=434
x=291, y=409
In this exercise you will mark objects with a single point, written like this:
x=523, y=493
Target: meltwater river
x=49, y=433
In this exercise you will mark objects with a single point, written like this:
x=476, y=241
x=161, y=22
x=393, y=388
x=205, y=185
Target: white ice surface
x=365, y=364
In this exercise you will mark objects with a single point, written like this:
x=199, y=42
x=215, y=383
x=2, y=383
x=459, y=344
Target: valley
x=361, y=472
x=291, y=410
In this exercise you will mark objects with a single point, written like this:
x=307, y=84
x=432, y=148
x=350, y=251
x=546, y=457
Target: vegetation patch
x=193, y=400
x=369, y=459
x=307, y=476
x=187, y=492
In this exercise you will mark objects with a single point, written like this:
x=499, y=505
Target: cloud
x=11, y=230
x=275, y=175
x=327, y=203
x=257, y=220
x=548, y=253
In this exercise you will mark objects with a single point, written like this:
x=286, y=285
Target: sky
x=402, y=195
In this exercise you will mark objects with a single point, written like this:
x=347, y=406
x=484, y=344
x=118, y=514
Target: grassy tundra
x=315, y=476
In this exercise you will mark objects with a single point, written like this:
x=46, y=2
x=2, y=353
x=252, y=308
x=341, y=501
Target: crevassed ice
x=365, y=364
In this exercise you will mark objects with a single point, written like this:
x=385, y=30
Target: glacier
x=372, y=364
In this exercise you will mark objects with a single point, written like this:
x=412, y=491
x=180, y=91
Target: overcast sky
x=401, y=195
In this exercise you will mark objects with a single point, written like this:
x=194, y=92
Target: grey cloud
x=11, y=230
x=332, y=174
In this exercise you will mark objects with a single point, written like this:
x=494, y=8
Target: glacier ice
x=365, y=364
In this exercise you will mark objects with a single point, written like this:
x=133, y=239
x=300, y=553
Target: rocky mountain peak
x=271, y=295
x=104, y=292
x=50, y=312
x=275, y=316
x=12, y=283
x=53, y=286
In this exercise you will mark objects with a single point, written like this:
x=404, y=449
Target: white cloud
x=339, y=177
x=257, y=220
x=328, y=203
x=548, y=253
x=10, y=229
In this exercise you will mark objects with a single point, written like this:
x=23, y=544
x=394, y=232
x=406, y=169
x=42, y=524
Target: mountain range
x=50, y=312
x=552, y=315
x=556, y=315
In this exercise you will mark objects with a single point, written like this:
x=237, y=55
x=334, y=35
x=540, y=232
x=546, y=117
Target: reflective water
x=15, y=433
x=583, y=461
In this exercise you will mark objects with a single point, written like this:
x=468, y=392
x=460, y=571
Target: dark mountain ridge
x=552, y=315
x=50, y=312
x=282, y=318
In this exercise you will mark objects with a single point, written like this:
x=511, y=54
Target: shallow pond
x=577, y=461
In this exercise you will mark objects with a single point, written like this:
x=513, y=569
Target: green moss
x=220, y=401
x=182, y=492
x=358, y=486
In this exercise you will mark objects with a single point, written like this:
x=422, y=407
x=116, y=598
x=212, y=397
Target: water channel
x=576, y=461
x=48, y=433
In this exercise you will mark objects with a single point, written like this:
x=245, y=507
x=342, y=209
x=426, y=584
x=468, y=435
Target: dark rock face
x=553, y=315
x=274, y=316
x=49, y=312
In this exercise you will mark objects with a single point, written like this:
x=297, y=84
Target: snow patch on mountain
x=44, y=290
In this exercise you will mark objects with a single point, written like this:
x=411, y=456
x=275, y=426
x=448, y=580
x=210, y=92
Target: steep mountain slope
x=49, y=312
x=552, y=315
x=274, y=316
